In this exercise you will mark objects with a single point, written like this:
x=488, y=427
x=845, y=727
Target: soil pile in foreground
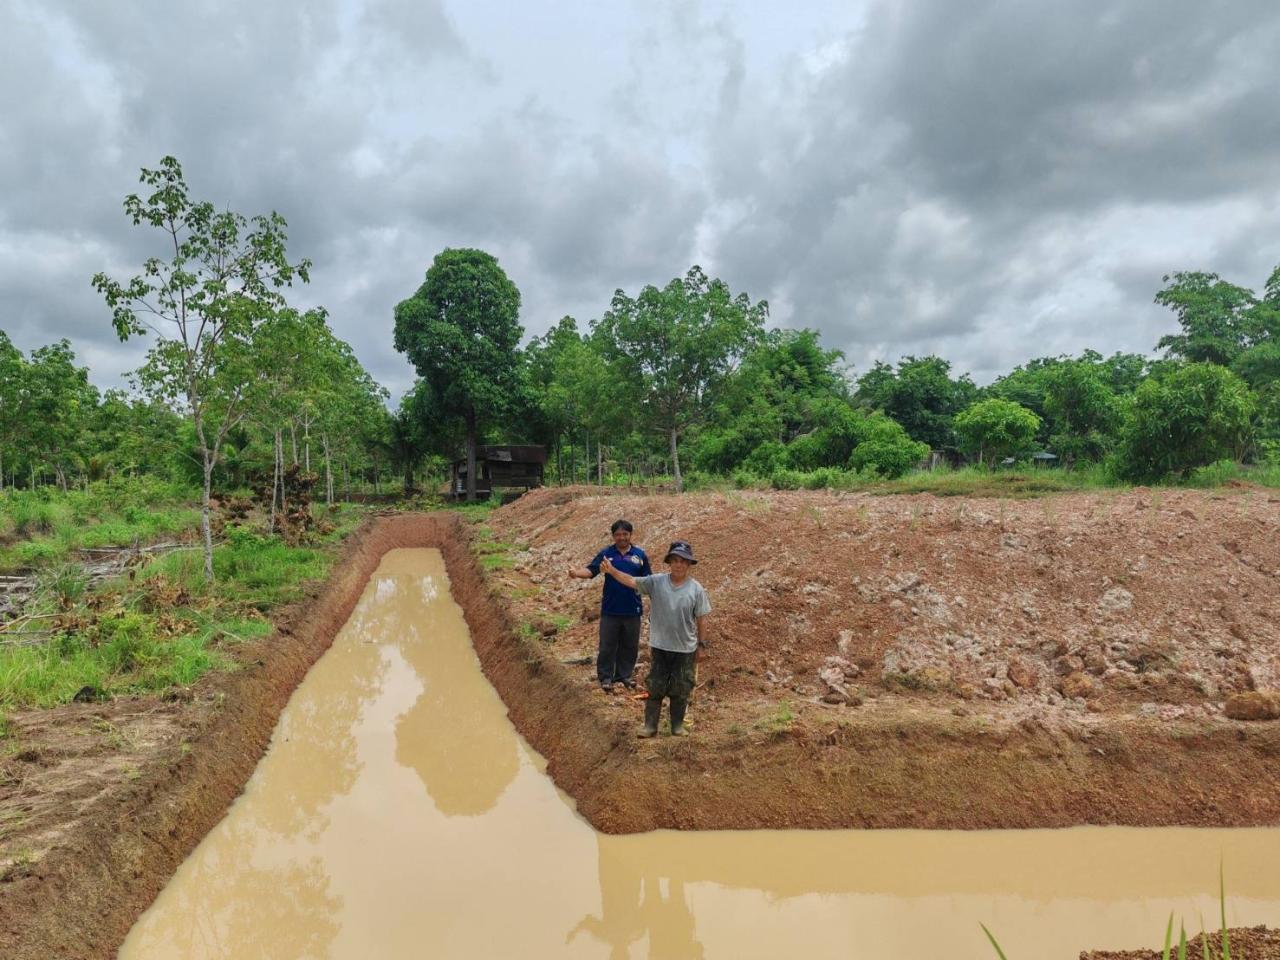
x=1147, y=603
x=1256, y=943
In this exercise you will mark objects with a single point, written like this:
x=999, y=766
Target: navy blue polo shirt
x=620, y=601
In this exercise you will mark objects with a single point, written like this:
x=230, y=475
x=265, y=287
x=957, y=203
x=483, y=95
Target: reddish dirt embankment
x=1167, y=603
x=924, y=662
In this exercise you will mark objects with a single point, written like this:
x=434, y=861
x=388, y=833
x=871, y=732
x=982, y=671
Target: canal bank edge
x=908, y=772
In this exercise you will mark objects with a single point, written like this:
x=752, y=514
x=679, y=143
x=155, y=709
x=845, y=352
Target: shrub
x=785, y=479
x=888, y=451
x=995, y=429
x=766, y=459
x=1197, y=415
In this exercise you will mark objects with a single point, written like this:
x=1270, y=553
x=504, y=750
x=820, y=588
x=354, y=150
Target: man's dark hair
x=620, y=525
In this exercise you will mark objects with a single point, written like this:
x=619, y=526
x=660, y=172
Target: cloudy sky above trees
x=989, y=181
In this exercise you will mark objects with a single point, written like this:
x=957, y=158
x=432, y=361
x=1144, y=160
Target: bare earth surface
x=877, y=662
x=1068, y=611
x=1254, y=943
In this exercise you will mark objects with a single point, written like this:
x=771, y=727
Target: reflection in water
x=633, y=906
x=335, y=850
x=447, y=737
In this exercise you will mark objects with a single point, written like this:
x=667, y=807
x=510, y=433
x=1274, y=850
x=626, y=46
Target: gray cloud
x=990, y=181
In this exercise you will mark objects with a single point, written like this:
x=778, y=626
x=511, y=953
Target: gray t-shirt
x=673, y=611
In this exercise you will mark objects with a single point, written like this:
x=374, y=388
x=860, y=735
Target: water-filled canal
x=398, y=814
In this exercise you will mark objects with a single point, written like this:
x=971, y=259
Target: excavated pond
x=398, y=814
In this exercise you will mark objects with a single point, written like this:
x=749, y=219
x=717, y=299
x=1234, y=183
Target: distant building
x=1042, y=459
x=500, y=467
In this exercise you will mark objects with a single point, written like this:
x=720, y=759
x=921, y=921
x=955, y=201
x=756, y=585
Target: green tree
x=920, y=395
x=1082, y=409
x=1219, y=320
x=12, y=370
x=679, y=343
x=1191, y=417
x=218, y=282
x=57, y=408
x=787, y=387
x=461, y=330
x=995, y=429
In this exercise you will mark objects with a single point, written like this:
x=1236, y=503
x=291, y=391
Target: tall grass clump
x=1221, y=952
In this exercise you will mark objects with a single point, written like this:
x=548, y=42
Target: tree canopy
x=460, y=330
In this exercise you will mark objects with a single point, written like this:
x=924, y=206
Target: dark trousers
x=619, y=647
x=670, y=675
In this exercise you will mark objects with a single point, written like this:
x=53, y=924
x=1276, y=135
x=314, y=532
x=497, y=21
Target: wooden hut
x=500, y=467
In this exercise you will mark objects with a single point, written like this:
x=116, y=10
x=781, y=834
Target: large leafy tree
x=678, y=344
x=1082, y=409
x=1188, y=418
x=461, y=332
x=218, y=282
x=787, y=387
x=58, y=406
x=1219, y=320
x=920, y=395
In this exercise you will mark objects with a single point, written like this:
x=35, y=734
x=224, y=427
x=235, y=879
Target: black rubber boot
x=678, y=708
x=652, y=710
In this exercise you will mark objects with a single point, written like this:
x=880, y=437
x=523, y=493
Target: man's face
x=679, y=567
x=622, y=539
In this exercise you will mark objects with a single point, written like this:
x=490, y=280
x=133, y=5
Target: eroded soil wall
x=869, y=771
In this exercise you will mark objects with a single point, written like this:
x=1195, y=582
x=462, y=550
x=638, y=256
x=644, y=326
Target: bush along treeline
x=685, y=379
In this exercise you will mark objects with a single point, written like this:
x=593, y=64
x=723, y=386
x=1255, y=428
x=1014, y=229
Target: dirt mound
x=785, y=573
x=1156, y=604
x=1256, y=943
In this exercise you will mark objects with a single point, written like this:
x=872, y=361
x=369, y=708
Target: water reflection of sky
x=397, y=814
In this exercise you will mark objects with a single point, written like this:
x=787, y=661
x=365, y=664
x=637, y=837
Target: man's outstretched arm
x=623, y=578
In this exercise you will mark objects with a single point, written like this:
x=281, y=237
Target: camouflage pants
x=670, y=675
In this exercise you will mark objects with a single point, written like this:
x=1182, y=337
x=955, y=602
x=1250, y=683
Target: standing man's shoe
x=652, y=711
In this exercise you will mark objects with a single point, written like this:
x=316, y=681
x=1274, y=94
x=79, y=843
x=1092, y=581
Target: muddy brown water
x=398, y=814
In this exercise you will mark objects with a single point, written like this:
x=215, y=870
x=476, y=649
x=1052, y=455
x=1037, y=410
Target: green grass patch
x=167, y=628
x=777, y=722
x=123, y=653
x=48, y=524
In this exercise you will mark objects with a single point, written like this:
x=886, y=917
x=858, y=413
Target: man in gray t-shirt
x=678, y=607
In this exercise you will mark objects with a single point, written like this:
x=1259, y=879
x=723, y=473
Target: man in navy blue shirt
x=620, y=608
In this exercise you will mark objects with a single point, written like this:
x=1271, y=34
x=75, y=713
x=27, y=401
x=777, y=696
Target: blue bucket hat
x=680, y=548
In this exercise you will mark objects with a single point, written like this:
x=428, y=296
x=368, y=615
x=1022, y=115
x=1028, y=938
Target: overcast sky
x=989, y=181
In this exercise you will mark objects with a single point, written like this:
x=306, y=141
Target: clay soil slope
x=927, y=662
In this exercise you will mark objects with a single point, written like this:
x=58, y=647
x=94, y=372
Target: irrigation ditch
x=906, y=771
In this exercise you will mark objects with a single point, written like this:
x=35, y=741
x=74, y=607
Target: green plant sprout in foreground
x=1224, y=941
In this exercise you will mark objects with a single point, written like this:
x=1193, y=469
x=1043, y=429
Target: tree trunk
x=206, y=531
x=275, y=480
x=293, y=439
x=306, y=445
x=599, y=463
x=675, y=462
x=328, y=470
x=471, y=457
